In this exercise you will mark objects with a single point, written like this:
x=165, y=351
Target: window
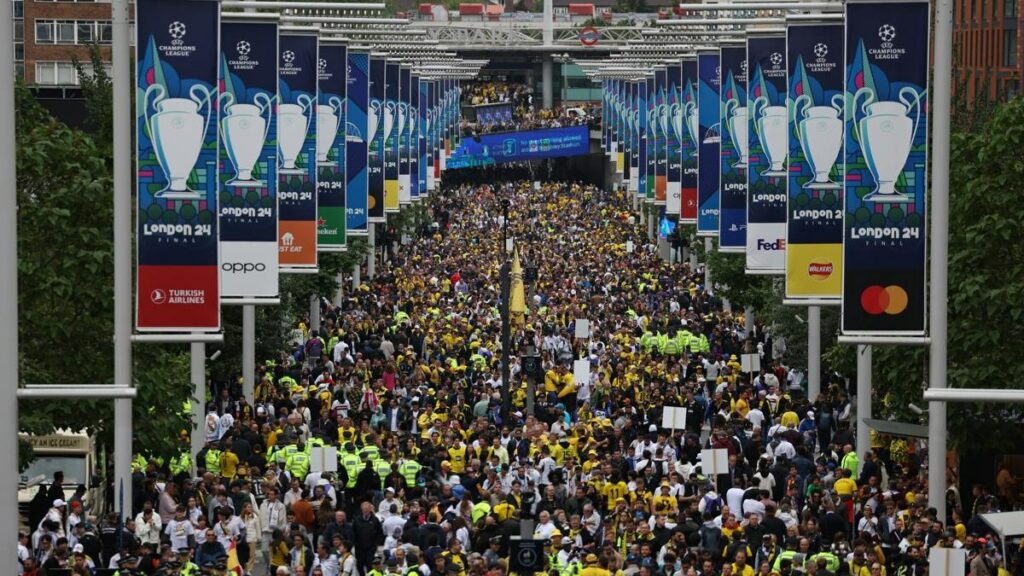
x=1010, y=8
x=56, y=74
x=1009, y=48
x=19, y=9
x=19, y=52
x=44, y=32
x=19, y=30
x=65, y=32
x=106, y=32
x=86, y=32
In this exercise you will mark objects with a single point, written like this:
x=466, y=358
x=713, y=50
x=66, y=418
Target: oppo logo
x=243, y=267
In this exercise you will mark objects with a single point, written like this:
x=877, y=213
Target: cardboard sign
x=713, y=462
x=947, y=561
x=673, y=418
x=581, y=371
x=323, y=459
x=582, y=328
x=750, y=363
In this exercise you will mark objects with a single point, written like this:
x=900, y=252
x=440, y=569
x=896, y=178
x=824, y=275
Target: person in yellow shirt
x=740, y=566
x=664, y=503
x=457, y=455
x=595, y=566
x=844, y=486
x=228, y=463
x=614, y=490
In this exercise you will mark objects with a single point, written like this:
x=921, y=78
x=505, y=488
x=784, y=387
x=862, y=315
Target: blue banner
x=415, y=141
x=248, y=156
x=658, y=95
x=674, y=127
x=375, y=114
x=392, y=79
x=689, y=141
x=331, y=147
x=884, y=255
x=296, y=137
x=403, y=128
x=768, y=128
x=177, y=53
x=734, y=151
x=431, y=134
x=645, y=138
x=636, y=119
x=357, y=134
x=709, y=133
x=491, y=149
x=814, y=222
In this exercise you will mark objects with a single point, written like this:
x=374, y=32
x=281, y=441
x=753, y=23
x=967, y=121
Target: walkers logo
x=770, y=246
x=820, y=271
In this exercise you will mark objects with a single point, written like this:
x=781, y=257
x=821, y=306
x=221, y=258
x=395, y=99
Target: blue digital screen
x=667, y=226
x=491, y=149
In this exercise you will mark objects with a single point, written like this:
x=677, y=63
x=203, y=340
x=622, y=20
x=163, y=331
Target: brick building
x=49, y=35
x=989, y=48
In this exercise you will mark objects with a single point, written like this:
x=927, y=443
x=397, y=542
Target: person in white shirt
x=341, y=352
x=272, y=517
x=228, y=527
x=384, y=508
x=545, y=527
x=179, y=529
x=148, y=525
x=326, y=560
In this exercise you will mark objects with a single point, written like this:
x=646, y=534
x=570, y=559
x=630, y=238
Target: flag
x=233, y=566
x=517, y=299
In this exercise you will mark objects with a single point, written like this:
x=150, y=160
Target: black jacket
x=368, y=532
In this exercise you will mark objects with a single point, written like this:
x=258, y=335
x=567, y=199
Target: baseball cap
x=58, y=503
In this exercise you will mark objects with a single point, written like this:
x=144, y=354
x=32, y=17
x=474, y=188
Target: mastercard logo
x=891, y=300
x=820, y=270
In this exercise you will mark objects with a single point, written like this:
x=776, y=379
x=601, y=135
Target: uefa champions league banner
x=884, y=256
x=674, y=114
x=414, y=137
x=403, y=127
x=177, y=52
x=734, y=149
x=688, y=141
x=432, y=119
x=645, y=140
x=766, y=177
x=296, y=143
x=248, y=156
x=658, y=124
x=357, y=135
x=375, y=131
x=391, y=118
x=814, y=221
x=634, y=117
x=709, y=134
x=619, y=112
x=422, y=132
x=331, y=130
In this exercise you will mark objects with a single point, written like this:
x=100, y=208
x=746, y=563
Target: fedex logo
x=779, y=244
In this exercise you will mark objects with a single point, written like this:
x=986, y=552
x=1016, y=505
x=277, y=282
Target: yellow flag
x=517, y=302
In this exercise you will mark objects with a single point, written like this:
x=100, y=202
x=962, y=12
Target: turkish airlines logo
x=158, y=296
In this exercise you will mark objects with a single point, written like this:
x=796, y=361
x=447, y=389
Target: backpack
x=712, y=505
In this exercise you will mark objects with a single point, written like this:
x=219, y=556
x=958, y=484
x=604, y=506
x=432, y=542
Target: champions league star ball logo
x=177, y=31
x=321, y=65
x=243, y=48
x=887, y=33
x=743, y=68
x=289, y=58
x=776, y=59
x=821, y=50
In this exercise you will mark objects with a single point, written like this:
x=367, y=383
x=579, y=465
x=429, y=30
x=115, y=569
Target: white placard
x=630, y=247
x=581, y=371
x=582, y=328
x=673, y=418
x=750, y=363
x=713, y=462
x=946, y=561
x=536, y=184
x=323, y=459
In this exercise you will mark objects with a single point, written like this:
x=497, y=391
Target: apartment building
x=49, y=35
x=989, y=49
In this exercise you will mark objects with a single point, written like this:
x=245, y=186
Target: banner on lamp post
x=709, y=134
x=248, y=156
x=356, y=138
x=375, y=115
x=658, y=124
x=647, y=155
x=414, y=138
x=734, y=150
x=392, y=75
x=332, y=70
x=403, y=127
x=177, y=54
x=636, y=119
x=674, y=125
x=296, y=135
x=884, y=248
x=431, y=92
x=814, y=214
x=768, y=129
x=619, y=109
x=689, y=141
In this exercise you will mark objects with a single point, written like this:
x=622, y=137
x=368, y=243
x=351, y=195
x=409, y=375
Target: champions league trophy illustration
x=691, y=113
x=886, y=133
x=389, y=120
x=736, y=122
x=327, y=129
x=403, y=113
x=772, y=124
x=177, y=131
x=652, y=122
x=820, y=132
x=244, y=130
x=663, y=120
x=373, y=117
x=677, y=116
x=413, y=117
x=292, y=126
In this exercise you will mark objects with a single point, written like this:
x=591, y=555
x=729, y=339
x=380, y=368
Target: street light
x=506, y=329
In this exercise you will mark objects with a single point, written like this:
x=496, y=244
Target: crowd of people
x=484, y=114
x=440, y=463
